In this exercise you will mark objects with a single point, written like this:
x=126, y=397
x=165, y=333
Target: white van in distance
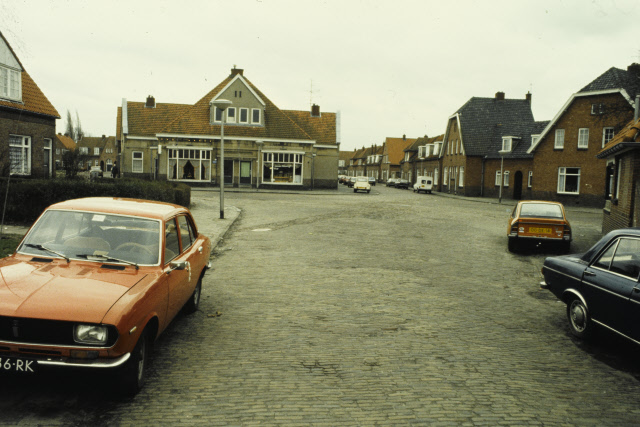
x=423, y=183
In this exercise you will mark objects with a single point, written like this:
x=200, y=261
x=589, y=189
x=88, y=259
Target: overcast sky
x=390, y=67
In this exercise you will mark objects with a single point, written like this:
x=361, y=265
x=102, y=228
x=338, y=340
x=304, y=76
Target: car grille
x=42, y=332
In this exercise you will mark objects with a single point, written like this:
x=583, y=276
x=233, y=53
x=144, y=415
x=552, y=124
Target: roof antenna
x=311, y=94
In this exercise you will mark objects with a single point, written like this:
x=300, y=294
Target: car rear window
x=540, y=210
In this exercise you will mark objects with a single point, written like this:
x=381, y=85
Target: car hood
x=61, y=291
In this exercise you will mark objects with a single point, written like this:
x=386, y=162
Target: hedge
x=27, y=198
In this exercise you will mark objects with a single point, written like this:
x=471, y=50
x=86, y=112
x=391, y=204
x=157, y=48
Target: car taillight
x=567, y=232
x=514, y=227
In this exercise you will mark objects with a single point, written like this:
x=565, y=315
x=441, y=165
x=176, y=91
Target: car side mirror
x=178, y=265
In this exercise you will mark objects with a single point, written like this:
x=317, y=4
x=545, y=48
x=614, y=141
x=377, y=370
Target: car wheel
x=355, y=191
x=194, y=301
x=368, y=191
x=132, y=376
x=513, y=245
x=579, y=319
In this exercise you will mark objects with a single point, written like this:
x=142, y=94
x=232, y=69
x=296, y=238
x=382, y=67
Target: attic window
x=237, y=93
x=597, y=109
x=507, y=144
x=10, y=84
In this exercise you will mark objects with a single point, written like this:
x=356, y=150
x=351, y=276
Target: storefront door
x=245, y=173
x=228, y=172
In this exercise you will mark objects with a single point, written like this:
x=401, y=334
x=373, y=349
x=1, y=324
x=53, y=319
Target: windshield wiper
x=43, y=248
x=107, y=259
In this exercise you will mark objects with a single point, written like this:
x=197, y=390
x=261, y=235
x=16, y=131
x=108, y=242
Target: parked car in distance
x=361, y=184
x=391, y=182
x=402, y=183
x=423, y=183
x=95, y=172
x=94, y=282
x=351, y=181
x=372, y=181
x=535, y=221
x=600, y=286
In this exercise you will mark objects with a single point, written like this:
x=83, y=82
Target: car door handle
x=636, y=290
x=589, y=273
x=200, y=249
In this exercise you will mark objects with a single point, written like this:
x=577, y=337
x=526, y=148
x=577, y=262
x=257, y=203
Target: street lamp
x=259, y=144
x=502, y=153
x=222, y=105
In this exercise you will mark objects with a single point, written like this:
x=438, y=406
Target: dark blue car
x=600, y=286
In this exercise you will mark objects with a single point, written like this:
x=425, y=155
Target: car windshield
x=541, y=210
x=361, y=179
x=94, y=236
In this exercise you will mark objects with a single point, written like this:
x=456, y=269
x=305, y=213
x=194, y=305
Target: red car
x=93, y=284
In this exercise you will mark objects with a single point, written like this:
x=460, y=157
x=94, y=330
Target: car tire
x=579, y=318
x=355, y=191
x=368, y=191
x=133, y=374
x=194, y=300
x=512, y=245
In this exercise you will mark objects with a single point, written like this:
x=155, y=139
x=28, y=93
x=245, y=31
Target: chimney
x=235, y=71
x=151, y=102
x=404, y=137
x=315, y=110
x=528, y=97
x=634, y=69
x=499, y=96
x=104, y=136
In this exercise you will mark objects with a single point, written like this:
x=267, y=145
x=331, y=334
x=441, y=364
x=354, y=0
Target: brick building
x=392, y=155
x=622, y=188
x=565, y=166
x=427, y=160
x=484, y=150
x=27, y=121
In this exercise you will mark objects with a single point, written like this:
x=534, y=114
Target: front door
x=228, y=171
x=517, y=186
x=245, y=173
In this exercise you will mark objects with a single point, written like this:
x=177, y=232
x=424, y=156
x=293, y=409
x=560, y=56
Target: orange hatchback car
x=539, y=222
x=93, y=284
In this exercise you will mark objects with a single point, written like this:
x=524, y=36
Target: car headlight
x=91, y=334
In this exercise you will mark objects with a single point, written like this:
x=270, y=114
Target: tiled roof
x=616, y=78
x=628, y=137
x=66, y=142
x=94, y=141
x=146, y=121
x=321, y=128
x=484, y=121
x=195, y=120
x=33, y=100
x=395, y=148
x=345, y=155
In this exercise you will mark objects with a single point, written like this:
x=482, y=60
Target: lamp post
x=259, y=144
x=222, y=105
x=501, y=174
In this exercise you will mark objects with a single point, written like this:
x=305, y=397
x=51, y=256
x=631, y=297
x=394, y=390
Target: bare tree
x=74, y=130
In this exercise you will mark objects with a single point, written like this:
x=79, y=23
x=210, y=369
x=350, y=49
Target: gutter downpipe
x=484, y=159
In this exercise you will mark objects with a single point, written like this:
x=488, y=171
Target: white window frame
x=253, y=112
x=562, y=180
x=534, y=139
x=505, y=177
x=275, y=159
x=530, y=179
x=83, y=150
x=10, y=83
x=246, y=112
x=137, y=163
x=507, y=144
x=461, y=177
x=231, y=118
x=435, y=176
x=445, y=178
x=96, y=151
x=558, y=144
x=97, y=162
x=605, y=140
x=498, y=180
x=583, y=138
x=20, y=145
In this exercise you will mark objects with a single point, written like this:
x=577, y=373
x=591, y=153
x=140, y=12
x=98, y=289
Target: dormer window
x=231, y=115
x=534, y=139
x=10, y=84
x=255, y=116
x=507, y=143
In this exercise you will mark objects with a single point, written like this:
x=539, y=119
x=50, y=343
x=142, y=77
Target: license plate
x=538, y=230
x=13, y=364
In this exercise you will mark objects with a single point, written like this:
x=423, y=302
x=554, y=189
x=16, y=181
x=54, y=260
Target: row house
x=98, y=152
x=357, y=162
x=264, y=146
x=27, y=121
x=409, y=156
x=566, y=166
x=427, y=160
x=62, y=144
x=393, y=155
x=484, y=150
x=374, y=162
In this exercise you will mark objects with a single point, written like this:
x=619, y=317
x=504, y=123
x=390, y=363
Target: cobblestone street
x=362, y=309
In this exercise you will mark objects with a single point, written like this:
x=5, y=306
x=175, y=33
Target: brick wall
x=622, y=211
x=34, y=126
x=548, y=160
